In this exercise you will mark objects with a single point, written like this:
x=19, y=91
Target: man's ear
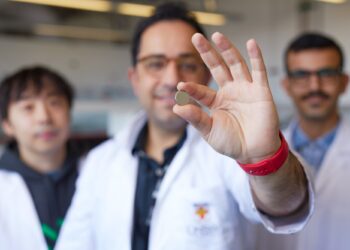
x=344, y=82
x=134, y=79
x=286, y=85
x=7, y=128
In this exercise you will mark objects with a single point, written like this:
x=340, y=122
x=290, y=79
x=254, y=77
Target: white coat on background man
x=329, y=225
x=320, y=134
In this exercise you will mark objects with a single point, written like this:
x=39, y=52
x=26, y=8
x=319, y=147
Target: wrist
x=270, y=164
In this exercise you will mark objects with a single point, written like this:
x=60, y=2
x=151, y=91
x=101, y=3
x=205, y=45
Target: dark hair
x=13, y=86
x=164, y=12
x=307, y=41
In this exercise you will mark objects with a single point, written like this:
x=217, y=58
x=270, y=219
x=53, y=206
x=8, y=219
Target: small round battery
x=182, y=98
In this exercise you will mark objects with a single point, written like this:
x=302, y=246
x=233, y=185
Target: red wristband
x=269, y=165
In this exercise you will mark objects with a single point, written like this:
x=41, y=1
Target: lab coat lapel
x=121, y=193
x=288, y=133
x=339, y=149
x=178, y=163
x=22, y=209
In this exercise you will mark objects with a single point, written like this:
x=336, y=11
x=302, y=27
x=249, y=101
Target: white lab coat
x=101, y=215
x=19, y=223
x=328, y=228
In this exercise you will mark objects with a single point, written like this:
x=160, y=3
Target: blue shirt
x=312, y=151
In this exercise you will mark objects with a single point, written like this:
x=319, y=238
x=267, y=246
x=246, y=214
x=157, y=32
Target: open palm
x=243, y=122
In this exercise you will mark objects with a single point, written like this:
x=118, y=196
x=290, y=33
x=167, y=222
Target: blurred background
x=88, y=42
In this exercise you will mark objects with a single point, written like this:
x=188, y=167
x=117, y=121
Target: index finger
x=211, y=58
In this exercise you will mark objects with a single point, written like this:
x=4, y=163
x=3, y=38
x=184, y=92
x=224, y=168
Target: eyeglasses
x=325, y=75
x=187, y=65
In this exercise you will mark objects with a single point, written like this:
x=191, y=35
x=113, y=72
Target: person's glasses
x=187, y=65
x=325, y=75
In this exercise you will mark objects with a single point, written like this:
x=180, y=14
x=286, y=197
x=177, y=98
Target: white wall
x=337, y=20
x=97, y=71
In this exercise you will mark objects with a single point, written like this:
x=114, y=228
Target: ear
x=7, y=128
x=344, y=82
x=134, y=79
x=286, y=85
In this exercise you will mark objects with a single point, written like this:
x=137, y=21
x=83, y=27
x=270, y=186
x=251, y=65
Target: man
x=159, y=185
x=38, y=169
x=315, y=81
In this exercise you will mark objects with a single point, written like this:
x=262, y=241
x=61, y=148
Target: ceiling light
x=130, y=9
x=210, y=18
x=332, y=1
x=91, y=5
x=144, y=10
x=133, y=9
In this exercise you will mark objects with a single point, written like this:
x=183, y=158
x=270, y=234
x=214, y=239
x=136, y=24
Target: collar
x=11, y=161
x=140, y=144
x=300, y=139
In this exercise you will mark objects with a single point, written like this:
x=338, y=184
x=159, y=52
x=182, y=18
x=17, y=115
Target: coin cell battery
x=182, y=98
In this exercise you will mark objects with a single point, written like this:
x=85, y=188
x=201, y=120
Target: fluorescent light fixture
x=332, y=1
x=144, y=10
x=91, y=5
x=210, y=18
x=78, y=32
x=96, y=5
x=133, y=9
x=130, y=9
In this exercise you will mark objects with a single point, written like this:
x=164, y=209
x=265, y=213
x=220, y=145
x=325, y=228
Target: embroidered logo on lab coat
x=202, y=225
x=201, y=210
